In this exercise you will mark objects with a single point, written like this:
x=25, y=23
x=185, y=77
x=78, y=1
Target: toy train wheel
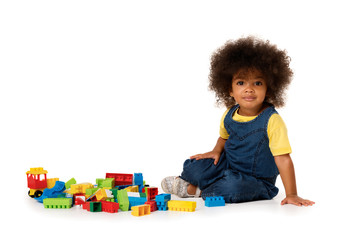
x=38, y=193
x=32, y=196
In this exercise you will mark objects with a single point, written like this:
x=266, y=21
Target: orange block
x=140, y=210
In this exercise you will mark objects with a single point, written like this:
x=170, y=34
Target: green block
x=105, y=183
x=59, y=203
x=69, y=183
x=95, y=206
x=90, y=191
x=142, y=195
x=99, y=182
x=123, y=200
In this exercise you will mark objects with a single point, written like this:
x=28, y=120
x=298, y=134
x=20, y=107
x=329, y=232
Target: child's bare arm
x=215, y=153
x=287, y=173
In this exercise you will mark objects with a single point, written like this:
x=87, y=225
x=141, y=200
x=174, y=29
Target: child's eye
x=240, y=83
x=258, y=83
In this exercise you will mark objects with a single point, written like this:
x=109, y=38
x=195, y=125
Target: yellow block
x=80, y=188
x=132, y=189
x=186, y=206
x=140, y=210
x=50, y=182
x=37, y=171
x=103, y=194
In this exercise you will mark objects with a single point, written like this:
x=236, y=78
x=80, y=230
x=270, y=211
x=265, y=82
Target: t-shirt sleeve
x=223, y=133
x=278, y=137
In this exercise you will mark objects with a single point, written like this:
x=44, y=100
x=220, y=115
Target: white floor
x=254, y=220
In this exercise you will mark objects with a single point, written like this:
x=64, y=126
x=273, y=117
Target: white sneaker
x=180, y=188
x=167, y=184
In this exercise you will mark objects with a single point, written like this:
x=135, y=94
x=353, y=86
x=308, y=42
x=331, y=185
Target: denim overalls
x=246, y=170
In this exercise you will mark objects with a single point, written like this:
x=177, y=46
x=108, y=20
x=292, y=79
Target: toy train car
x=37, y=181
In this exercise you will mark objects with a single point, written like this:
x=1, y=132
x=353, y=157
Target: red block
x=152, y=192
x=79, y=199
x=110, y=207
x=152, y=204
x=86, y=206
x=121, y=178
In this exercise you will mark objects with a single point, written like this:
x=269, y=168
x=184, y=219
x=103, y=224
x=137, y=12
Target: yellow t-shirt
x=278, y=139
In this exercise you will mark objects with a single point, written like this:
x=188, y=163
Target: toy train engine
x=37, y=181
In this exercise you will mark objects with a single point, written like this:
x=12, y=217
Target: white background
x=89, y=87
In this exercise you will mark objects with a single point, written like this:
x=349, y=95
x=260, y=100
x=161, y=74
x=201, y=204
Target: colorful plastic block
x=120, y=178
x=140, y=210
x=136, y=201
x=103, y=194
x=123, y=200
x=79, y=199
x=152, y=204
x=80, y=188
x=138, y=179
x=52, y=192
x=93, y=196
x=107, y=183
x=110, y=207
x=184, y=206
x=162, y=201
x=132, y=189
x=69, y=183
x=92, y=206
x=60, y=203
x=214, y=201
x=163, y=197
x=151, y=192
x=90, y=191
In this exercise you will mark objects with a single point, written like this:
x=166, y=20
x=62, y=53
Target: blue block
x=138, y=179
x=162, y=208
x=164, y=197
x=214, y=201
x=162, y=201
x=136, y=201
x=52, y=192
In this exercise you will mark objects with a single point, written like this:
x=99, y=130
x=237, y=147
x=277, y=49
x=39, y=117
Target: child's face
x=249, y=91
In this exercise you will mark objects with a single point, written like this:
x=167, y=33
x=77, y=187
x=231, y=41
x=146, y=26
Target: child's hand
x=211, y=154
x=296, y=200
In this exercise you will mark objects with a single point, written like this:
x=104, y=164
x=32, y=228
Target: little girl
x=249, y=77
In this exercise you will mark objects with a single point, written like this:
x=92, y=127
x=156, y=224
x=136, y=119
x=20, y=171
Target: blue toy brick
x=138, y=179
x=136, y=201
x=164, y=197
x=217, y=201
x=162, y=201
x=58, y=188
x=162, y=208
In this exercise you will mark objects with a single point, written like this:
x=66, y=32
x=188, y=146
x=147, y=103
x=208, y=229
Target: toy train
x=37, y=181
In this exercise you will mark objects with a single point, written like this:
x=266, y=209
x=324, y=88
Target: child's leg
x=236, y=187
x=202, y=172
x=191, y=189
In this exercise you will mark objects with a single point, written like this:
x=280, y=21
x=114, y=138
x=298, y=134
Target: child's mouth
x=249, y=99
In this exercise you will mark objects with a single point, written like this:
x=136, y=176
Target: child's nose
x=249, y=89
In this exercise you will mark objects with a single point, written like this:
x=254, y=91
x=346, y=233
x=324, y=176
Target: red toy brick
x=79, y=199
x=152, y=192
x=110, y=207
x=121, y=178
x=152, y=204
x=86, y=206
